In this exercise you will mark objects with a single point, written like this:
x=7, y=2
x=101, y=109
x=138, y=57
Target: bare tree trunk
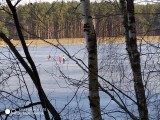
x=91, y=42
x=32, y=70
x=134, y=56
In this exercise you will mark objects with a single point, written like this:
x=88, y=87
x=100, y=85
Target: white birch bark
x=91, y=43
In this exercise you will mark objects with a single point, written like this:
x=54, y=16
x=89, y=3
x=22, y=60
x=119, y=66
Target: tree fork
x=32, y=71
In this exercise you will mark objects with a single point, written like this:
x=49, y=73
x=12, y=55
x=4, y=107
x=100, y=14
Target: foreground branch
x=21, y=108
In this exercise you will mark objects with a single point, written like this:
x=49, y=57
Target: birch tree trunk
x=127, y=7
x=91, y=42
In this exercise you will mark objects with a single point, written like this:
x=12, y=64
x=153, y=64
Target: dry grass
x=53, y=41
x=82, y=40
x=149, y=38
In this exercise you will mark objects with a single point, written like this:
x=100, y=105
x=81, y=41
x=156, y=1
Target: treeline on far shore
x=64, y=20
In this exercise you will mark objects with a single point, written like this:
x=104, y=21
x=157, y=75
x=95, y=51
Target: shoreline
x=64, y=41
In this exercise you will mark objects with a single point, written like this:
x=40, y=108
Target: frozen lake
x=66, y=84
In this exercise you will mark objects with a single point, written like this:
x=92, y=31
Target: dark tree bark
x=32, y=70
x=127, y=7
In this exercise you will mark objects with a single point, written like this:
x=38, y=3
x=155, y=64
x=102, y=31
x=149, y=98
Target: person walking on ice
x=60, y=59
x=63, y=59
x=49, y=57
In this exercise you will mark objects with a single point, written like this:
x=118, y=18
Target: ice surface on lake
x=62, y=82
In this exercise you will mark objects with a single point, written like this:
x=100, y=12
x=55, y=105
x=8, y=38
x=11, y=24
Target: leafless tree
x=30, y=66
x=134, y=56
x=126, y=82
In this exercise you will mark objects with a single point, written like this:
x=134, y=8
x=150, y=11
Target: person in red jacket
x=60, y=59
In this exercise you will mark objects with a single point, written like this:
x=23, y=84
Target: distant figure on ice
x=63, y=58
x=49, y=57
x=60, y=59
